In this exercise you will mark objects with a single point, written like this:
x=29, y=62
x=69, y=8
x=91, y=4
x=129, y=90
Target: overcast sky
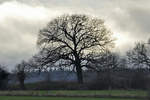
x=20, y=21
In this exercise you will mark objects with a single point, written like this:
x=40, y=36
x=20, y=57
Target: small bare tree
x=21, y=73
x=104, y=63
x=139, y=55
x=3, y=77
x=139, y=58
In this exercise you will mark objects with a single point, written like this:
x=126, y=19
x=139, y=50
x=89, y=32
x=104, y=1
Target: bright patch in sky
x=121, y=39
x=19, y=10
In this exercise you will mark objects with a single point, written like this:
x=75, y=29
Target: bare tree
x=104, y=63
x=3, y=77
x=21, y=72
x=72, y=38
x=139, y=55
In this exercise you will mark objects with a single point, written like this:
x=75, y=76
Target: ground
x=119, y=93
x=52, y=98
x=83, y=92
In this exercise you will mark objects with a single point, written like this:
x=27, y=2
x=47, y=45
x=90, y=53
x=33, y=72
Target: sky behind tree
x=20, y=21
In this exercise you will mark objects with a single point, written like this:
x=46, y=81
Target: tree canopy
x=72, y=38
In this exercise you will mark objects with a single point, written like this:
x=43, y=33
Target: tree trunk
x=48, y=77
x=21, y=77
x=109, y=80
x=79, y=74
x=78, y=68
x=22, y=86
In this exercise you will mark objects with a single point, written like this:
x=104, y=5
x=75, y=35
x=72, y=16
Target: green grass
x=82, y=92
x=72, y=92
x=52, y=98
x=103, y=92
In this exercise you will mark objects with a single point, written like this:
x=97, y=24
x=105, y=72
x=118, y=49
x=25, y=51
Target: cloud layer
x=20, y=21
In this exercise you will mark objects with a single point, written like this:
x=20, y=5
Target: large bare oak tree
x=71, y=38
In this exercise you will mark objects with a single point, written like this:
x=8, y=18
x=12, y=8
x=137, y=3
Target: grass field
x=103, y=92
x=82, y=92
x=52, y=98
x=31, y=95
